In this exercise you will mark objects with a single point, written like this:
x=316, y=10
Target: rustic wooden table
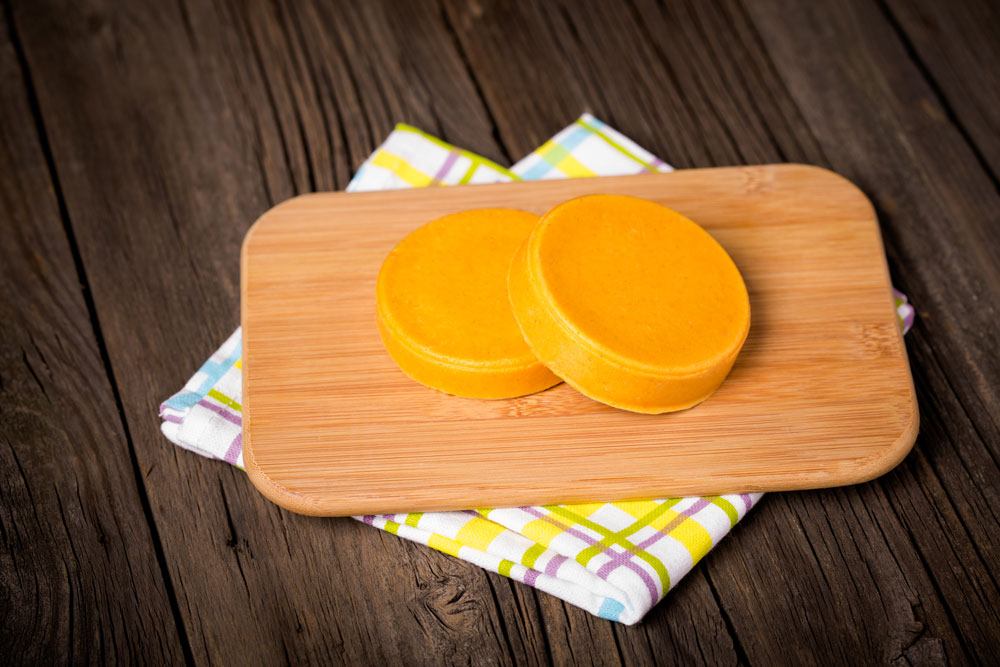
x=138, y=142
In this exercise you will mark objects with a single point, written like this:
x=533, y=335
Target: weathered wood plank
x=957, y=47
x=79, y=576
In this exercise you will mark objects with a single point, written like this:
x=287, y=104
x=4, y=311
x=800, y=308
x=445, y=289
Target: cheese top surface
x=443, y=289
x=640, y=283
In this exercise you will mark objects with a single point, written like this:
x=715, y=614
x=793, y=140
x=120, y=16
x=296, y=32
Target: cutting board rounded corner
x=279, y=494
x=268, y=217
x=823, y=173
x=885, y=460
x=841, y=181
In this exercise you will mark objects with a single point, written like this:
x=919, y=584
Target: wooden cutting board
x=820, y=396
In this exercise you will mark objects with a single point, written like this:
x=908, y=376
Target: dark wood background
x=138, y=140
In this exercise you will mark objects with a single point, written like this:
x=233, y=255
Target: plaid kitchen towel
x=616, y=560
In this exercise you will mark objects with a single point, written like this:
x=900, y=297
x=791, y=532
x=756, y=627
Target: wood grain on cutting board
x=820, y=396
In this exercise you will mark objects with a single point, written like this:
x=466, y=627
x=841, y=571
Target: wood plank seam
x=88, y=299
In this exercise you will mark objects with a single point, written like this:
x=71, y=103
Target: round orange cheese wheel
x=630, y=302
x=442, y=306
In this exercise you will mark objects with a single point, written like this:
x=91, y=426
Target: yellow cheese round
x=630, y=302
x=443, y=312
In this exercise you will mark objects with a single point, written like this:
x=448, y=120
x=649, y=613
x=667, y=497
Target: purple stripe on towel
x=235, y=449
x=449, y=162
x=222, y=412
x=553, y=567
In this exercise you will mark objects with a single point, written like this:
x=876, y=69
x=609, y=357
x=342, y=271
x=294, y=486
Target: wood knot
x=449, y=604
x=757, y=180
x=876, y=340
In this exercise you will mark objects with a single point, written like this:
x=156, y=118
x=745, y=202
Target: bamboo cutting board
x=820, y=396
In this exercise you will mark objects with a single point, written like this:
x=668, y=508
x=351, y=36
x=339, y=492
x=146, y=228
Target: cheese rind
x=443, y=312
x=629, y=302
